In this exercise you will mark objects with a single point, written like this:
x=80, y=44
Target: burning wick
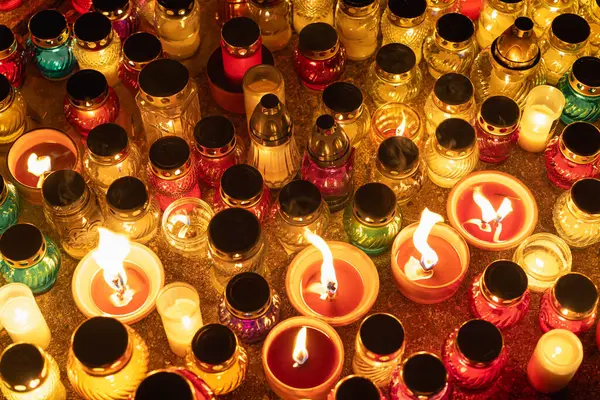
x=39, y=166
x=489, y=214
x=327, y=288
x=402, y=127
x=423, y=269
x=300, y=354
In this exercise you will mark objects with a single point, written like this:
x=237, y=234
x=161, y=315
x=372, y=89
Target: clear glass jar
x=50, y=45
x=497, y=128
x=131, y=210
x=107, y=360
x=452, y=153
x=217, y=358
x=122, y=15
x=258, y=81
x=357, y=24
x=542, y=110
x=185, y=226
x=474, y=354
x=241, y=48
x=394, y=77
x=12, y=57
x=178, y=27
x=405, y=22
x=452, y=47
x=345, y=102
x=229, y=9
x=13, y=112
x=543, y=12
x=451, y=97
x=373, y=219
x=29, y=257
x=300, y=206
x=576, y=216
x=139, y=50
x=168, y=100
x=309, y=11
x=408, y=382
x=10, y=207
x=581, y=88
x=165, y=383
x=273, y=18
x=249, y=307
x=273, y=149
x=497, y=16
x=355, y=387
x=396, y=119
x=439, y=8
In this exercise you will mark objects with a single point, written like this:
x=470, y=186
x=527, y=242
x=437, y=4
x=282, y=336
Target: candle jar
x=185, y=226
x=394, y=77
x=452, y=153
x=405, y=22
x=273, y=149
x=249, y=307
x=379, y=348
x=438, y=8
x=241, y=47
x=319, y=58
x=344, y=101
x=273, y=18
x=570, y=304
x=474, y=354
x=355, y=386
x=9, y=5
x=13, y=112
x=581, y=88
x=173, y=381
x=591, y=13
x=131, y=211
x=89, y=101
x=497, y=16
x=309, y=11
x=451, y=97
x=258, y=81
x=178, y=27
x=28, y=372
x=29, y=257
x=329, y=162
x=97, y=46
x=139, y=50
x=121, y=13
x=217, y=358
x=300, y=206
x=81, y=6
x=10, y=207
x=107, y=360
x=50, y=45
x=217, y=148
x=171, y=171
x=543, y=108
x=497, y=128
x=357, y=23
x=471, y=8
x=168, y=100
x=408, y=383
x=372, y=219
x=573, y=155
x=396, y=119
x=499, y=295
x=543, y=12
x=229, y=9
x=12, y=57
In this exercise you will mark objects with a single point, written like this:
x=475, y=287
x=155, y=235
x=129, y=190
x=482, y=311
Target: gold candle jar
x=13, y=112
x=438, y=8
x=592, y=16
x=345, y=102
x=357, y=24
x=178, y=27
x=355, y=387
x=405, y=22
x=543, y=12
x=495, y=18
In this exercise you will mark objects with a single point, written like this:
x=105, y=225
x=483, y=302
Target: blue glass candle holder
x=581, y=88
x=10, y=208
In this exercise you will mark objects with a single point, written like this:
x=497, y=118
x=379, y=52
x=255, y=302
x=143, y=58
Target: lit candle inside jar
x=543, y=106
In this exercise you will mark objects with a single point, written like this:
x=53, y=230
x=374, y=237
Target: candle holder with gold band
x=357, y=23
x=139, y=50
x=497, y=16
x=178, y=27
x=497, y=128
x=355, y=385
x=438, y=8
x=576, y=214
x=408, y=384
x=581, y=88
x=13, y=111
x=543, y=12
x=273, y=17
x=12, y=57
x=406, y=23
x=173, y=381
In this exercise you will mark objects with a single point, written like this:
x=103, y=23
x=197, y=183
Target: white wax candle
x=535, y=127
x=181, y=321
x=24, y=322
x=255, y=92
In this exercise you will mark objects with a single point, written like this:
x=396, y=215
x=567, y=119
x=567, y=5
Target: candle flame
x=328, y=286
x=110, y=255
x=423, y=269
x=402, y=127
x=182, y=221
x=300, y=354
x=38, y=166
x=489, y=215
x=21, y=316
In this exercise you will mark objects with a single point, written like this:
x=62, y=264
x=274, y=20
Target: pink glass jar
x=171, y=172
x=7, y=5
x=89, y=101
x=573, y=155
x=422, y=376
x=474, y=354
x=82, y=6
x=241, y=47
x=173, y=383
x=122, y=15
x=243, y=186
x=500, y=295
x=570, y=304
x=497, y=128
x=319, y=59
x=138, y=51
x=12, y=57
x=217, y=148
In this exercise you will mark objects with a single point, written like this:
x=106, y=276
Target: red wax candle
x=137, y=280
x=318, y=368
x=471, y=8
x=350, y=290
x=60, y=158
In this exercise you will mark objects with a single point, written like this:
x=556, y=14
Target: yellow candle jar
x=495, y=18
x=178, y=27
x=437, y=8
x=542, y=12
x=357, y=24
x=405, y=22
x=592, y=16
x=13, y=112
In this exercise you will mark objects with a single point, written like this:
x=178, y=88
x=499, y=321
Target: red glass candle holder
x=497, y=128
x=122, y=15
x=241, y=47
x=138, y=51
x=12, y=57
x=422, y=376
x=8, y=5
x=319, y=59
x=573, y=155
x=570, y=304
x=81, y=6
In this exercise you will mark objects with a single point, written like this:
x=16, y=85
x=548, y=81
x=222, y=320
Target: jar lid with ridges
x=328, y=143
x=455, y=28
x=580, y=142
x=169, y=153
x=214, y=135
x=48, y=28
x=240, y=32
x=342, y=97
x=318, y=41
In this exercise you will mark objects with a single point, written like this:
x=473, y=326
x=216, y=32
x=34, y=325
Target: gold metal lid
x=248, y=296
x=234, y=235
x=356, y=387
x=164, y=82
x=358, y=8
x=7, y=93
x=93, y=31
x=23, y=367
x=113, y=9
x=87, y=89
x=300, y=203
x=454, y=32
x=395, y=63
x=422, y=364
x=407, y=14
x=480, y=342
x=318, y=41
x=175, y=8
x=516, y=49
x=328, y=144
x=455, y=138
x=242, y=185
x=381, y=337
x=140, y=49
x=584, y=78
x=240, y=37
x=499, y=116
x=8, y=42
x=214, y=347
x=579, y=142
x=374, y=204
x=503, y=283
x=215, y=136
x=170, y=158
x=168, y=383
x=569, y=32
x=49, y=29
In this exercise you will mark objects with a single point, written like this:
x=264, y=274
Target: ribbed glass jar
x=357, y=24
x=576, y=214
x=396, y=119
x=308, y=11
x=173, y=381
x=139, y=50
x=185, y=226
x=496, y=16
x=13, y=112
x=581, y=88
x=122, y=15
x=12, y=57
x=10, y=207
x=345, y=102
x=543, y=12
x=438, y=8
x=273, y=17
x=497, y=128
x=408, y=383
x=406, y=23
x=178, y=27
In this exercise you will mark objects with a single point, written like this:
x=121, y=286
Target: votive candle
x=543, y=108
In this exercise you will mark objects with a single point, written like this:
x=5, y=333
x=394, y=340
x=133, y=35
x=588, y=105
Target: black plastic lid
x=582, y=138
x=586, y=195
x=164, y=385
x=357, y=388
x=127, y=193
x=524, y=23
x=342, y=97
x=407, y=8
x=21, y=364
x=142, y=47
x=398, y=153
x=214, y=132
x=317, y=37
x=396, y=58
x=109, y=5
x=500, y=111
x=86, y=85
x=269, y=101
x=424, y=374
x=100, y=342
x=234, y=230
x=92, y=27
x=214, y=344
x=63, y=187
x=2, y=183
x=242, y=182
x=382, y=334
x=176, y=4
x=358, y=3
x=375, y=200
x=576, y=292
x=107, y=140
x=7, y=37
x=299, y=199
x=20, y=242
x=47, y=24
x=5, y=87
x=453, y=89
x=455, y=27
x=479, y=341
x=247, y=292
x=240, y=32
x=169, y=152
x=571, y=28
x=325, y=122
x=505, y=279
x=455, y=134
x=585, y=70
x=164, y=78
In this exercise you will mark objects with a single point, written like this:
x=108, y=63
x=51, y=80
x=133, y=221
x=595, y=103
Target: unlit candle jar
x=273, y=17
x=405, y=22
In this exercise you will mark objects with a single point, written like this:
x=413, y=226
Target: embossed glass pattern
x=13, y=112
x=308, y=11
x=357, y=25
x=496, y=16
x=497, y=128
x=12, y=57
x=10, y=208
x=581, y=87
x=576, y=214
x=406, y=23
x=178, y=27
x=273, y=18
x=543, y=12
x=185, y=224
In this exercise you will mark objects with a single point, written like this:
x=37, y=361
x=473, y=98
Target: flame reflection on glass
x=423, y=269
x=402, y=127
x=328, y=286
x=179, y=223
x=489, y=214
x=300, y=354
x=39, y=166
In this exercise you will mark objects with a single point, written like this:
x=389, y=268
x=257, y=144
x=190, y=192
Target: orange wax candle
x=446, y=270
x=137, y=280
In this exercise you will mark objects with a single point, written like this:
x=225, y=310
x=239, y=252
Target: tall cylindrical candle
x=261, y=80
x=543, y=107
x=241, y=47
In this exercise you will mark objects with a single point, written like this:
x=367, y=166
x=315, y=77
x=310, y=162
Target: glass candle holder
x=394, y=77
x=9, y=5
x=72, y=209
x=131, y=210
x=372, y=219
x=13, y=112
x=581, y=88
x=396, y=119
x=10, y=207
x=185, y=226
x=576, y=215
x=451, y=97
x=357, y=23
x=573, y=155
x=352, y=386
x=229, y=9
x=106, y=359
x=217, y=148
x=300, y=206
x=273, y=18
x=241, y=47
x=29, y=257
x=319, y=58
x=27, y=371
x=570, y=304
x=438, y=8
x=452, y=153
x=12, y=57
x=89, y=101
x=452, y=47
x=173, y=381
x=497, y=128
x=543, y=12
x=121, y=13
x=178, y=27
x=543, y=108
x=139, y=50
x=168, y=100
x=236, y=244
x=345, y=102
x=496, y=16
x=310, y=11
x=217, y=358
x=171, y=171
x=470, y=8
x=592, y=15
x=379, y=348
x=408, y=383
x=81, y=6
x=258, y=81
x=406, y=23
x=249, y=307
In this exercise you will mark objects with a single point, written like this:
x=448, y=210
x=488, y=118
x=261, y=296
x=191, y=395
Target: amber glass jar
x=13, y=112
x=405, y=22
x=345, y=102
x=357, y=23
x=139, y=50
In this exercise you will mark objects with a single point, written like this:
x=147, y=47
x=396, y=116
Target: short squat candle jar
x=422, y=376
x=576, y=214
x=581, y=87
x=495, y=18
x=249, y=307
x=10, y=206
x=173, y=382
x=542, y=110
x=497, y=128
x=396, y=119
x=13, y=112
x=405, y=22
x=12, y=57
x=121, y=13
x=307, y=12
x=344, y=101
x=178, y=27
x=357, y=22
x=184, y=226
x=139, y=50
x=273, y=18
x=241, y=47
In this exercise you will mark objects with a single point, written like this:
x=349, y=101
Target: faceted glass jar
x=581, y=88
x=122, y=15
x=576, y=216
x=357, y=24
x=306, y=12
x=139, y=49
x=12, y=57
x=345, y=102
x=408, y=384
x=13, y=112
x=406, y=23
x=543, y=12
x=10, y=207
x=496, y=16
x=497, y=128
x=178, y=27
x=185, y=226
x=273, y=18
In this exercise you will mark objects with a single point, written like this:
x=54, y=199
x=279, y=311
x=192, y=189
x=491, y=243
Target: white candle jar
x=357, y=24
x=310, y=11
x=543, y=108
x=178, y=27
x=405, y=22
x=495, y=18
